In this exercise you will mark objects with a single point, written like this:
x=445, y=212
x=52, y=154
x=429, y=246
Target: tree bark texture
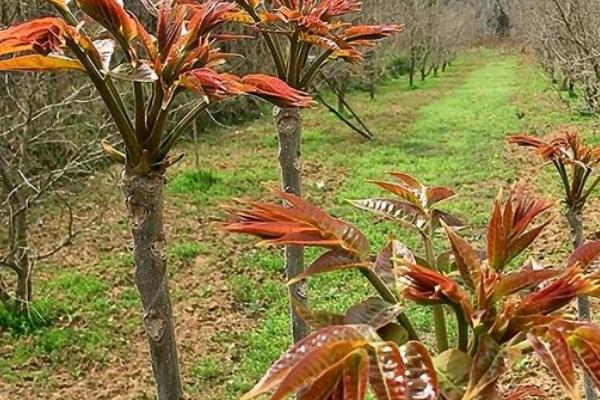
x=144, y=199
x=22, y=263
x=575, y=219
x=288, y=124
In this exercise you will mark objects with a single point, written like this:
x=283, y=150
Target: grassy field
x=86, y=337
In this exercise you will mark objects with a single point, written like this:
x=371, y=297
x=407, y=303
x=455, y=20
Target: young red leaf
x=541, y=147
x=426, y=286
x=301, y=224
x=403, y=192
x=408, y=180
x=213, y=85
x=387, y=374
x=318, y=319
x=373, y=312
x=438, y=194
x=553, y=350
x=333, y=260
x=305, y=373
x=325, y=386
x=395, y=210
x=42, y=35
x=313, y=356
x=585, y=255
x=439, y=217
x=36, y=62
x=384, y=264
x=556, y=295
x=276, y=91
x=585, y=341
x=488, y=366
x=112, y=16
x=526, y=278
x=420, y=373
x=465, y=257
x=370, y=32
x=507, y=234
x=355, y=377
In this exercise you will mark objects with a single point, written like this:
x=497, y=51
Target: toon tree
x=504, y=307
x=575, y=163
x=103, y=40
x=302, y=37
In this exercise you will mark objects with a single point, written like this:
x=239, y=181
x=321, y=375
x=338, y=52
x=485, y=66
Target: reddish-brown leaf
x=585, y=255
x=438, y=217
x=313, y=366
x=387, y=374
x=318, y=319
x=420, y=373
x=276, y=91
x=302, y=223
x=42, y=35
x=465, y=257
x=438, y=194
x=403, y=192
x=523, y=279
x=323, y=386
x=488, y=366
x=112, y=16
x=333, y=260
x=586, y=345
x=311, y=357
x=426, y=286
x=408, y=180
x=384, y=266
x=553, y=350
x=36, y=62
x=395, y=210
x=496, y=239
x=373, y=312
x=556, y=295
x=519, y=244
x=370, y=32
x=356, y=375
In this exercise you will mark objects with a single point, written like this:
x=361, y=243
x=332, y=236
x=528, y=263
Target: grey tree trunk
x=22, y=262
x=144, y=199
x=288, y=124
x=575, y=219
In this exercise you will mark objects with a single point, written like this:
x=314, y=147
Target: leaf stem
x=387, y=295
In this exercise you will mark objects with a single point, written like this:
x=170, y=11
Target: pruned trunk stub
x=144, y=199
x=288, y=124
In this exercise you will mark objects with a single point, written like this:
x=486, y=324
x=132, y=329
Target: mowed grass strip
x=457, y=139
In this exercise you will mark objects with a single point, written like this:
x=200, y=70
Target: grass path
x=455, y=140
x=230, y=300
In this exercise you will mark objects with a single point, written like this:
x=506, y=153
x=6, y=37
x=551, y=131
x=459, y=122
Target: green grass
x=70, y=320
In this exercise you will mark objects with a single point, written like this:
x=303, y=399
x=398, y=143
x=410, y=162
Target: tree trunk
x=575, y=218
x=22, y=263
x=144, y=199
x=288, y=124
x=342, y=86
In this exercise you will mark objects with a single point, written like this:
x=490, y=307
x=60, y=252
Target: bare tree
x=43, y=150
